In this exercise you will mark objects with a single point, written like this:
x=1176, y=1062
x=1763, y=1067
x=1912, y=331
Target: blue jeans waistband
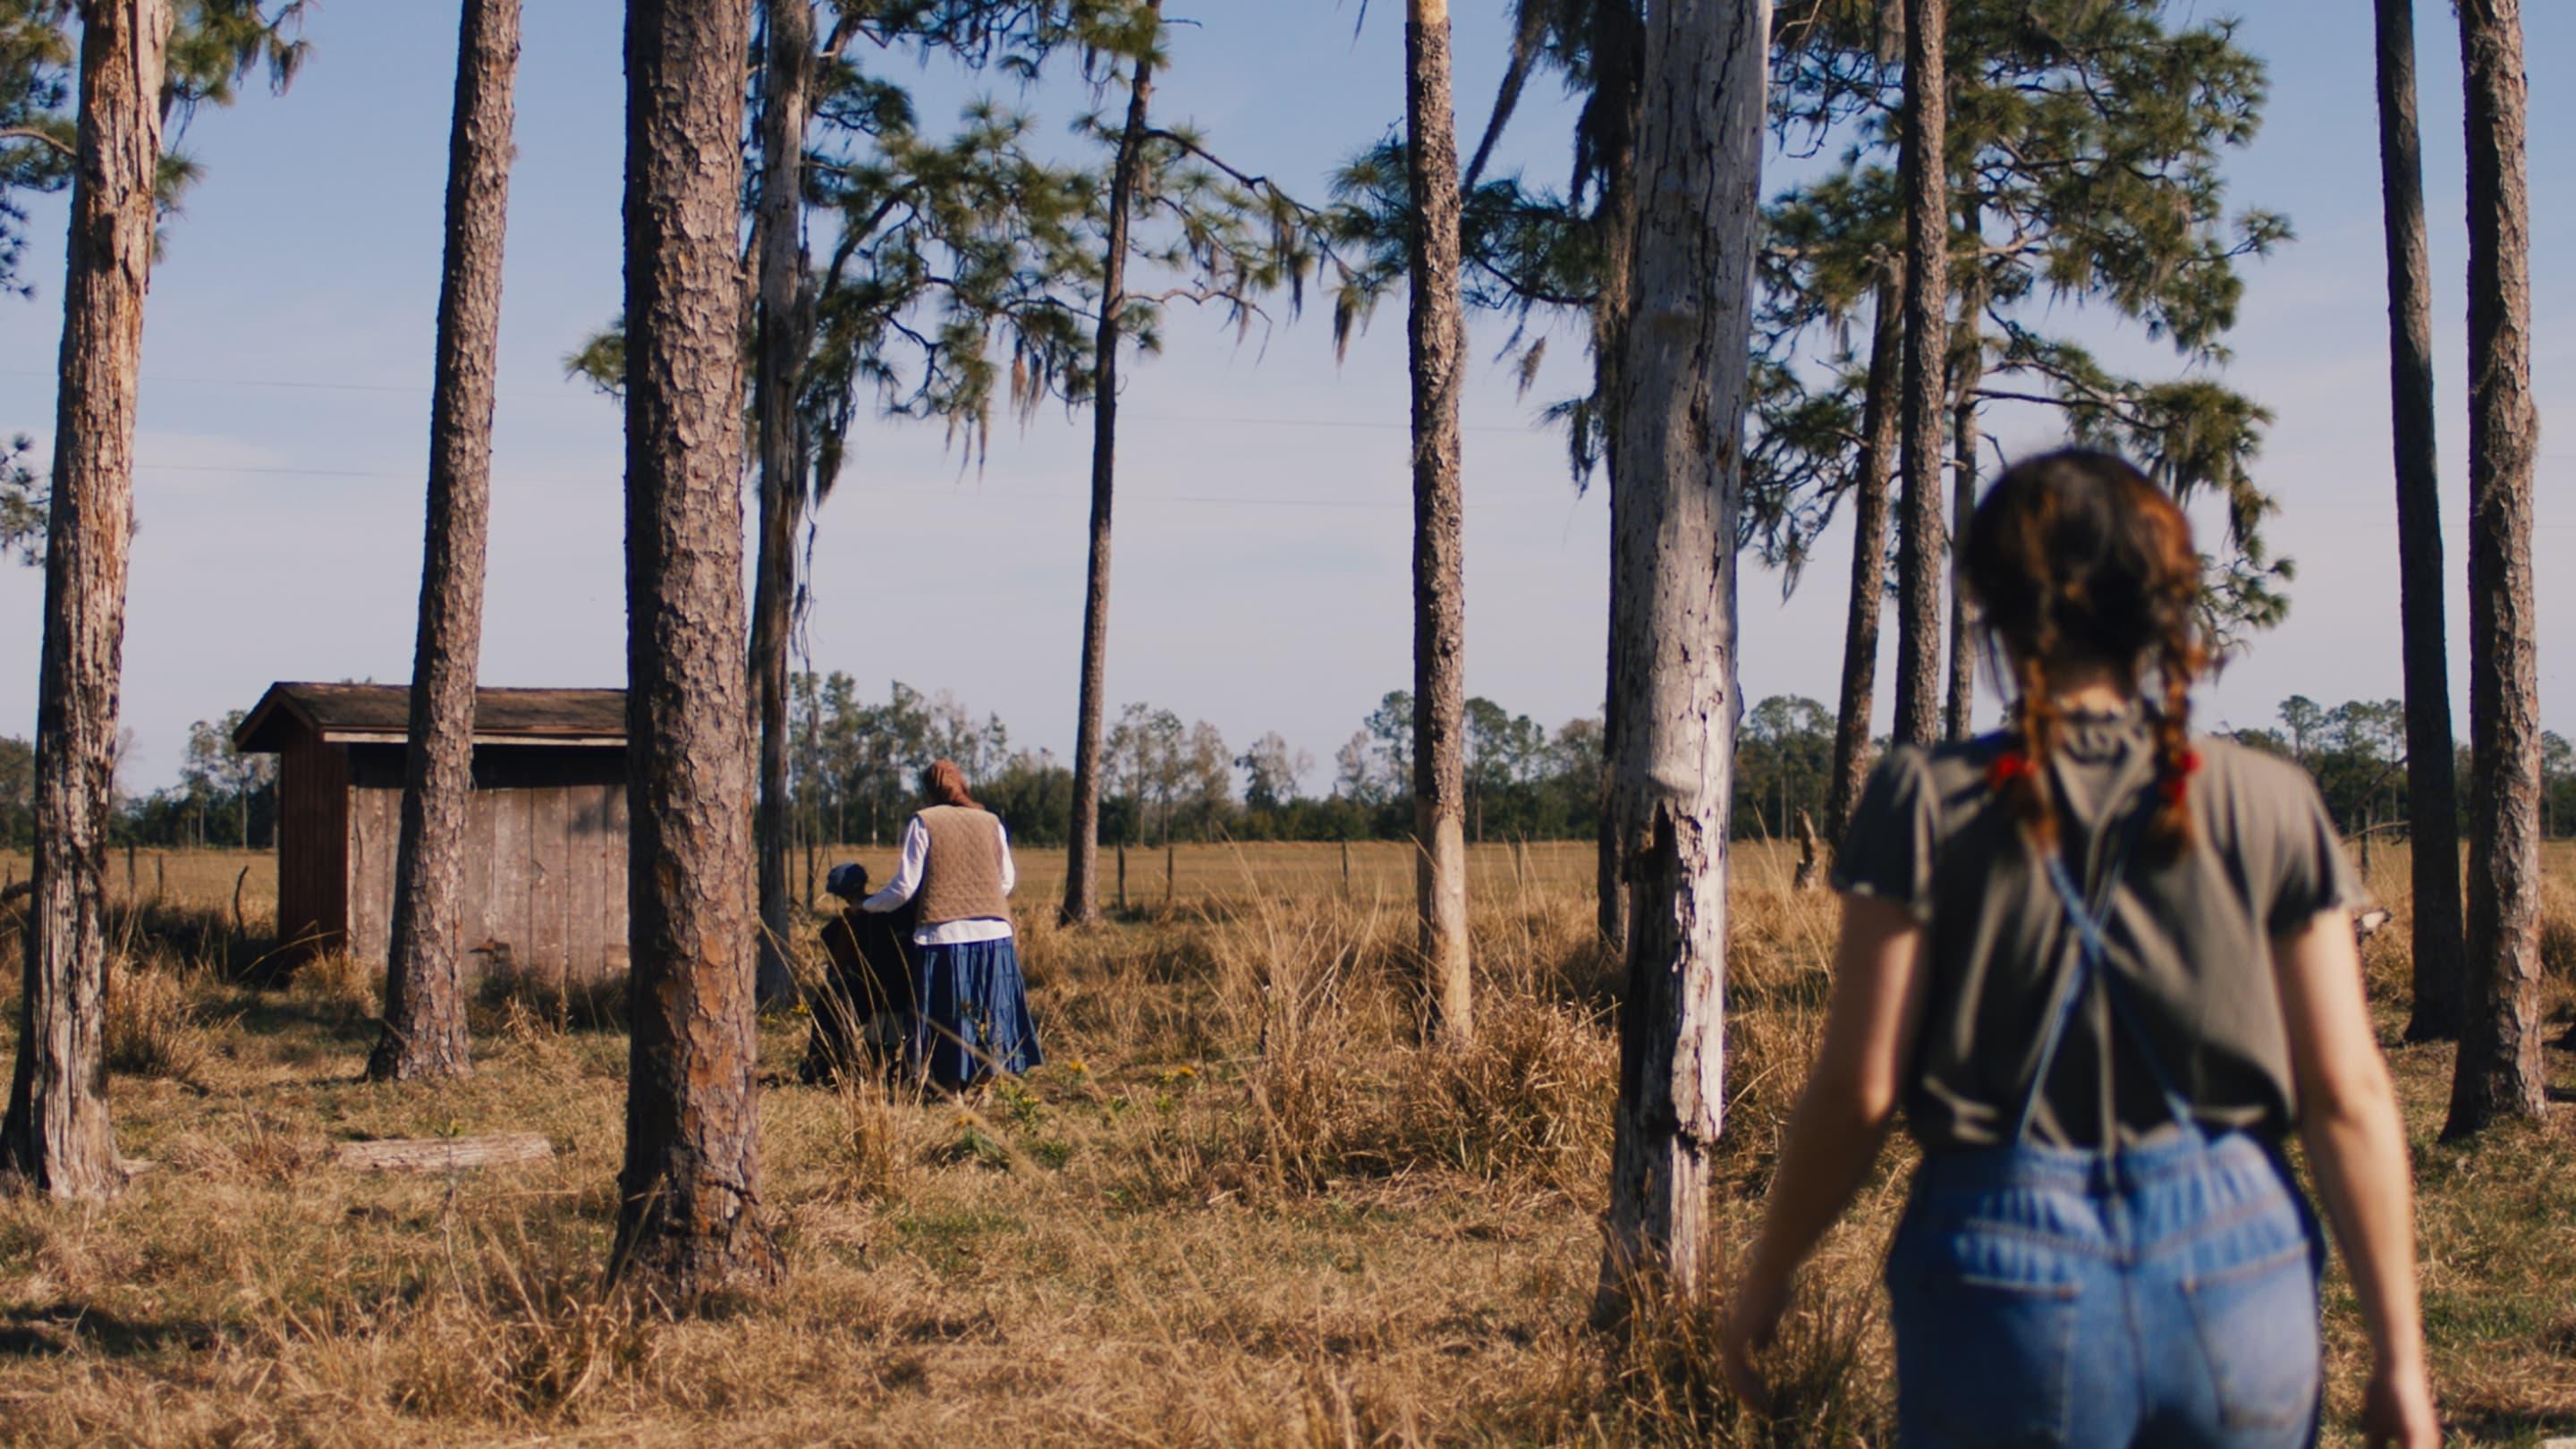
x=2103, y=1171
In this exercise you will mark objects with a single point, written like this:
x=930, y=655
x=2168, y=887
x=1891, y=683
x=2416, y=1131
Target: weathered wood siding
x=545, y=860
x=312, y=846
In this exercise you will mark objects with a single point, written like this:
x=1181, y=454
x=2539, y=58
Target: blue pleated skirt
x=974, y=1018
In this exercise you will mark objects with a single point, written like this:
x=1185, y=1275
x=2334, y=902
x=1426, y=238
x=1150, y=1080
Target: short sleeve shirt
x=2189, y=936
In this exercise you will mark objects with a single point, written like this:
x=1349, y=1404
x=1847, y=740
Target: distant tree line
x=856, y=763
x=1164, y=780
x=2357, y=752
x=224, y=798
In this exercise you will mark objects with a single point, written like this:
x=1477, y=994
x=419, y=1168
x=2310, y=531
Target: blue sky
x=1262, y=546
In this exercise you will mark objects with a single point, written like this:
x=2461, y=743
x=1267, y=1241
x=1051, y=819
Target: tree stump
x=1808, y=853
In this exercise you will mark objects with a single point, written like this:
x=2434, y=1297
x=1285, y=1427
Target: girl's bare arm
x=2357, y=1145
x=1841, y=1119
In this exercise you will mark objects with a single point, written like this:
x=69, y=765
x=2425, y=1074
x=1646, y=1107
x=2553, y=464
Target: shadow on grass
x=64, y=1328
x=568, y=1006
x=278, y=1015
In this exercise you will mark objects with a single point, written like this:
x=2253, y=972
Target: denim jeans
x=2158, y=1296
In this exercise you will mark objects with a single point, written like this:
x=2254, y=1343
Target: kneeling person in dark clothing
x=865, y=1008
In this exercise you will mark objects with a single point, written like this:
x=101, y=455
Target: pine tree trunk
x=57, y=1138
x=1922, y=544
x=2432, y=786
x=689, y=1217
x=2499, y=1072
x=1082, y=857
x=1616, y=40
x=1968, y=370
x=424, y=1033
x=1438, y=337
x=1869, y=567
x=1683, y=389
x=786, y=84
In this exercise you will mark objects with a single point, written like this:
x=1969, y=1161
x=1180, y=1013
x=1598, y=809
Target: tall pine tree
x=424, y=1023
x=690, y=1221
x=2432, y=787
x=56, y=1138
x=2499, y=1070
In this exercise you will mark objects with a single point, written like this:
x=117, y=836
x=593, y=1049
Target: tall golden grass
x=1243, y=1203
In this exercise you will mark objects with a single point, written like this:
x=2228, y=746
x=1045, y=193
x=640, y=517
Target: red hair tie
x=2008, y=766
x=2174, y=786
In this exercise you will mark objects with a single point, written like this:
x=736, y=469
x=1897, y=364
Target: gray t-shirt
x=2189, y=937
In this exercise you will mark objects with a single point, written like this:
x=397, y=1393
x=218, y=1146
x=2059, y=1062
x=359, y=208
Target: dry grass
x=1243, y=1204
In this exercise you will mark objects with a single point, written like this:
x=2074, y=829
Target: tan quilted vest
x=961, y=879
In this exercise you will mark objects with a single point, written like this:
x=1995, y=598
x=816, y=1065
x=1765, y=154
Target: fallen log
x=442, y=1154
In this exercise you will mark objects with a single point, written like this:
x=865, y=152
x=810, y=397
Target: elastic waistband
x=2106, y=1171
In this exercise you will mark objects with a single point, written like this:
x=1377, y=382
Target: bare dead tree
x=1684, y=384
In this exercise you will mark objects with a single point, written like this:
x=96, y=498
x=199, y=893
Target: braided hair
x=2075, y=559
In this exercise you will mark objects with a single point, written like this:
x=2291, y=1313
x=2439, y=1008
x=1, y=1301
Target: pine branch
x=40, y=137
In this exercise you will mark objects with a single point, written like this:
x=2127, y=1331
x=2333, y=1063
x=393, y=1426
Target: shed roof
x=381, y=714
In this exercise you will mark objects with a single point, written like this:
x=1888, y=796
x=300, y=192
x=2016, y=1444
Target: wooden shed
x=545, y=851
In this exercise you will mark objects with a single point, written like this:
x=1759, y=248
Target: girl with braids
x=2106, y=968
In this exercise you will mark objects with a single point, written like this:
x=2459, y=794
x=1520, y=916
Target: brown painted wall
x=312, y=845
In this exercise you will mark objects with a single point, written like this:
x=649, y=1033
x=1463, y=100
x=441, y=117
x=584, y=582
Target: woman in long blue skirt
x=972, y=1014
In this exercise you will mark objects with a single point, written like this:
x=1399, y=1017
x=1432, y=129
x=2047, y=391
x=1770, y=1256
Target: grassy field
x=1238, y=1206
x=1372, y=872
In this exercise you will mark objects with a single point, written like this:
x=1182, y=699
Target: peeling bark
x=1683, y=389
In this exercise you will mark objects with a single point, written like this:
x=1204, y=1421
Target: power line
x=1142, y=417
x=241, y=382
x=917, y=490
